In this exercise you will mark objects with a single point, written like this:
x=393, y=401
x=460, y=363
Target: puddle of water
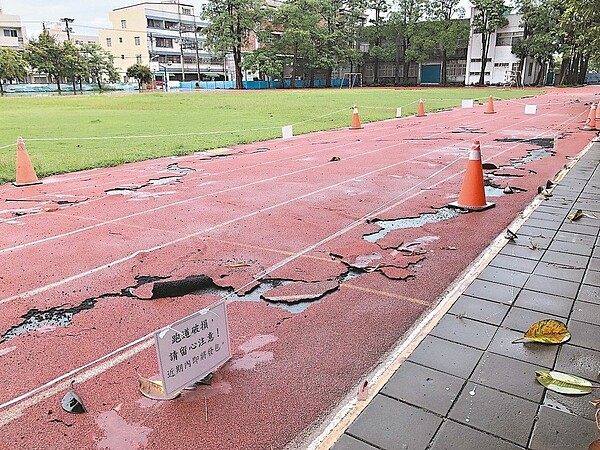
x=174, y=167
x=119, y=434
x=398, y=224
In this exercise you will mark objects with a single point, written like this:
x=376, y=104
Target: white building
x=502, y=65
x=167, y=36
x=12, y=33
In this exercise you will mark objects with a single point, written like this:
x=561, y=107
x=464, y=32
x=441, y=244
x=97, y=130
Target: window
x=508, y=39
x=138, y=59
x=456, y=68
x=501, y=64
x=171, y=25
x=108, y=42
x=153, y=23
x=164, y=42
x=187, y=11
x=10, y=33
x=137, y=40
x=123, y=23
x=120, y=40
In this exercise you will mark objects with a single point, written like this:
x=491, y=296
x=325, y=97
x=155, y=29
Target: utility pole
x=68, y=29
x=181, y=44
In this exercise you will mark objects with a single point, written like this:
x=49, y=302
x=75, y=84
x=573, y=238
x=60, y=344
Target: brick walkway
x=466, y=386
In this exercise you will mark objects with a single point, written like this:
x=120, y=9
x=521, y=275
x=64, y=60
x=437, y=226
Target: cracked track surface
x=279, y=222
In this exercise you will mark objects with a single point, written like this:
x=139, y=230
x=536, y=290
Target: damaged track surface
x=266, y=229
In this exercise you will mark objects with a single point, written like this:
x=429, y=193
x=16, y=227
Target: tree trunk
x=312, y=78
x=1, y=87
x=540, y=76
x=74, y=86
x=99, y=84
x=58, y=84
x=484, y=52
x=444, y=79
x=294, y=64
x=237, y=59
x=328, y=77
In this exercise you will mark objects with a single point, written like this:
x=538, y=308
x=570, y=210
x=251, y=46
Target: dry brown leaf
x=548, y=331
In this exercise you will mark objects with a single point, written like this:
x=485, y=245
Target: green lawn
x=60, y=131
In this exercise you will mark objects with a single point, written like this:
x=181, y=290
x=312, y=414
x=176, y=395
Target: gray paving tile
x=508, y=277
x=545, y=215
x=508, y=375
x=477, y=309
x=434, y=352
x=592, y=278
x=548, y=303
x=582, y=362
x=521, y=251
x=514, y=263
x=545, y=224
x=573, y=404
x=584, y=335
x=575, y=227
x=588, y=293
x=594, y=264
x=586, y=312
x=570, y=247
x=389, y=424
x=495, y=292
x=464, y=331
x=553, y=286
x=555, y=430
x=533, y=237
x=539, y=354
x=495, y=412
x=453, y=436
x=424, y=387
x=346, y=442
x=565, y=259
x=519, y=319
x=575, y=238
x=559, y=271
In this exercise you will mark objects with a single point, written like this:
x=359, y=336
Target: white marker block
x=530, y=109
x=467, y=103
x=398, y=112
x=287, y=132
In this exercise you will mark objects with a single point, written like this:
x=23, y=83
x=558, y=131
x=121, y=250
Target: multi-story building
x=12, y=33
x=502, y=65
x=167, y=36
x=58, y=31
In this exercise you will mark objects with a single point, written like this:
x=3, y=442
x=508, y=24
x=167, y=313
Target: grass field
x=68, y=133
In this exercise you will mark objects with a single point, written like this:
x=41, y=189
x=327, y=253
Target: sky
x=89, y=15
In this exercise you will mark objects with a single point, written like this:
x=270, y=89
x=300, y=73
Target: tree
x=541, y=35
x=98, y=64
x=375, y=32
x=448, y=31
x=231, y=22
x=12, y=66
x=488, y=16
x=404, y=30
x=265, y=62
x=141, y=73
x=48, y=56
x=337, y=34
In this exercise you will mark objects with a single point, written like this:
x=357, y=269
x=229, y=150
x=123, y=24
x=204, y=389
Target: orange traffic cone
x=472, y=193
x=590, y=123
x=355, y=120
x=421, y=109
x=597, y=114
x=490, y=106
x=25, y=173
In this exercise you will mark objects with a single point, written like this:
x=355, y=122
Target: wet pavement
x=466, y=385
x=95, y=262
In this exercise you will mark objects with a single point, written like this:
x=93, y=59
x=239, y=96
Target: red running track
x=90, y=245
